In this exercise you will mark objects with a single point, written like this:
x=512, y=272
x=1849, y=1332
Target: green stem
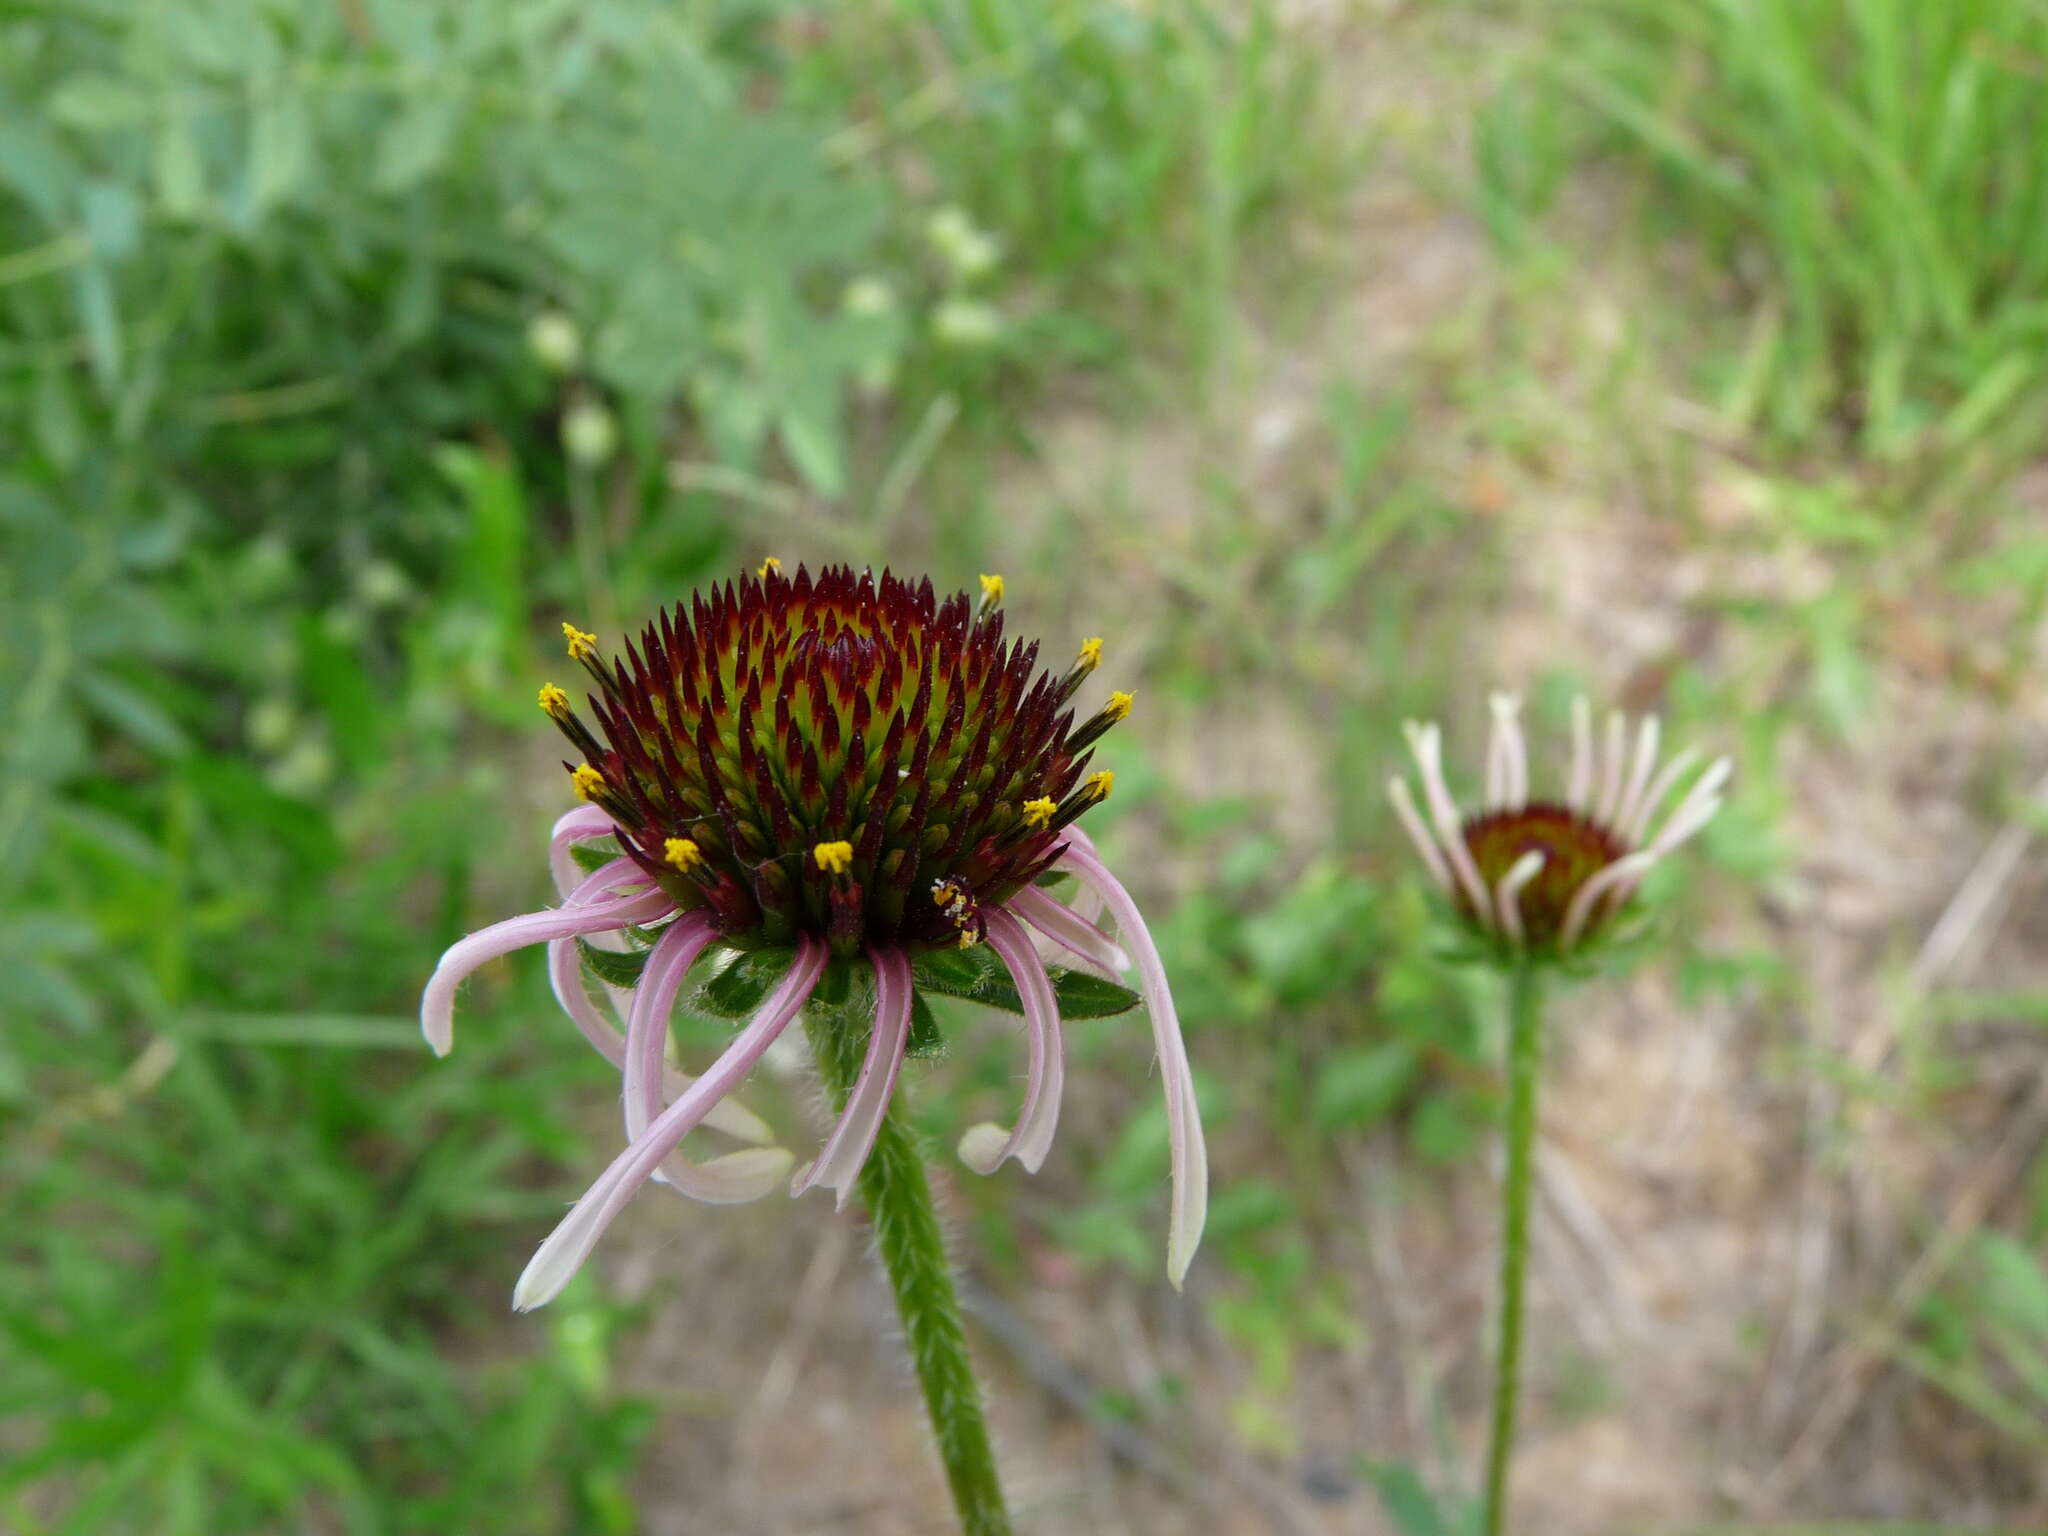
x=913, y=1252
x=1525, y=1058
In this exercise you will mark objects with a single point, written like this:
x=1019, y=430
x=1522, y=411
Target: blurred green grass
x=287, y=517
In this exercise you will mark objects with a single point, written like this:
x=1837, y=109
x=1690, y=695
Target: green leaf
x=979, y=976
x=925, y=1039
x=2016, y=1283
x=1406, y=1500
x=592, y=856
x=618, y=968
x=93, y=292
x=1084, y=996
x=280, y=155
x=96, y=103
x=177, y=170
x=736, y=991
x=416, y=141
x=1357, y=1088
x=113, y=220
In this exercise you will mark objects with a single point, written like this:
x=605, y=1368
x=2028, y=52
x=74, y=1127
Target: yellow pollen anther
x=683, y=853
x=834, y=858
x=991, y=589
x=1038, y=813
x=582, y=644
x=770, y=564
x=1100, y=784
x=1119, y=705
x=1091, y=653
x=588, y=781
x=554, y=700
x=967, y=939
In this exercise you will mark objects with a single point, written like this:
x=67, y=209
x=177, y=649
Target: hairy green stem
x=1525, y=1060
x=913, y=1253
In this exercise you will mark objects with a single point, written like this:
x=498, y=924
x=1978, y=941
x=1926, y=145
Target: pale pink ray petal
x=1633, y=827
x=558, y=1258
x=1418, y=834
x=1029, y=1142
x=1507, y=895
x=1190, y=1203
x=1507, y=755
x=565, y=975
x=1518, y=757
x=579, y=825
x=647, y=1039
x=1072, y=932
x=1696, y=809
x=1087, y=903
x=619, y=877
x=1647, y=735
x=437, y=1003
x=846, y=1150
x=1426, y=742
x=1611, y=768
x=1578, y=794
x=1496, y=793
x=1618, y=874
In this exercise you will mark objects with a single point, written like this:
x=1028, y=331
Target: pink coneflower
x=1546, y=878
x=833, y=771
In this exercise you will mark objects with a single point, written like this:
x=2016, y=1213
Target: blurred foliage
x=340, y=344
x=1871, y=178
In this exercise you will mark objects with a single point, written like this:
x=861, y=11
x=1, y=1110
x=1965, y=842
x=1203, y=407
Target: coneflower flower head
x=843, y=757
x=1548, y=879
x=836, y=775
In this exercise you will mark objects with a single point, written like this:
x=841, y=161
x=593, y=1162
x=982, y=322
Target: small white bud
x=590, y=433
x=554, y=341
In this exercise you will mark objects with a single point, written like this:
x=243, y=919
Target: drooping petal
x=1046, y=1078
x=558, y=1259
x=437, y=1003
x=1183, y=1116
x=565, y=975
x=646, y=1047
x=1622, y=873
x=838, y=1166
x=1426, y=742
x=1068, y=929
x=1087, y=901
x=1508, y=892
x=579, y=825
x=1418, y=834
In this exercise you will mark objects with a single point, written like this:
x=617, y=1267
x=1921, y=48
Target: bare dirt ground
x=1726, y=1241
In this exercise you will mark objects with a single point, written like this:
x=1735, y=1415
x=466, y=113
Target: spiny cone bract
x=784, y=715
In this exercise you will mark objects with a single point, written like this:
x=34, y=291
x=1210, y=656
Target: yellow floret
x=1038, y=812
x=1100, y=784
x=588, y=781
x=991, y=589
x=554, y=700
x=770, y=564
x=834, y=858
x=582, y=643
x=1091, y=653
x=683, y=854
x=1119, y=705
